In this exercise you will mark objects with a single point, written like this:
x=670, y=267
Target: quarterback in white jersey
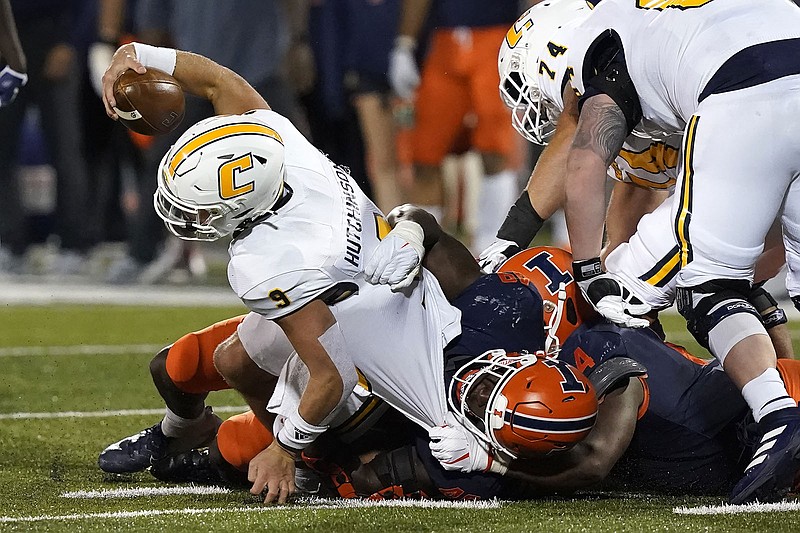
x=315, y=248
x=302, y=232
x=726, y=72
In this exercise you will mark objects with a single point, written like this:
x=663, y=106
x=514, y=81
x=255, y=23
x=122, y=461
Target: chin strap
x=552, y=344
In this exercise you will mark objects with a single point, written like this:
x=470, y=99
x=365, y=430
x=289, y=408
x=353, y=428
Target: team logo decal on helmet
x=549, y=269
x=221, y=174
x=523, y=404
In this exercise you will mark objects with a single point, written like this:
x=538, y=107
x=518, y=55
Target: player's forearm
x=585, y=204
x=225, y=89
x=547, y=185
x=601, y=130
x=10, y=47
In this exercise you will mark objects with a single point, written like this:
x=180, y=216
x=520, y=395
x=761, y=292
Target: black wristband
x=522, y=222
x=587, y=269
x=292, y=451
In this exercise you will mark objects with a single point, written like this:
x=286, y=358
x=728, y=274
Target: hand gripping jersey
x=685, y=440
x=315, y=246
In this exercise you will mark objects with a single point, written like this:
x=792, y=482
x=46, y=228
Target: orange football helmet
x=523, y=404
x=549, y=269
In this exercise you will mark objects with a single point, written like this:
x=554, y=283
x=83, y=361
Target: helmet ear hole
x=572, y=313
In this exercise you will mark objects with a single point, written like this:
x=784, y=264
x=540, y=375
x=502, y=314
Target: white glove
x=10, y=83
x=496, y=254
x=403, y=70
x=609, y=296
x=457, y=449
x=98, y=59
x=397, y=259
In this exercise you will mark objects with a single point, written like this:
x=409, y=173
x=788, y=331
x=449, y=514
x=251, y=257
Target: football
x=151, y=103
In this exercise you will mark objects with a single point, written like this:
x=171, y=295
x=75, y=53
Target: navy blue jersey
x=500, y=310
x=686, y=438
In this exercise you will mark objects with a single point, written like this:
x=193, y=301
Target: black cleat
x=134, y=453
x=776, y=460
x=193, y=466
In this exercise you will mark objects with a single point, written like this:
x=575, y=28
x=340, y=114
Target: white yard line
x=102, y=414
x=311, y=505
x=107, y=494
x=80, y=349
x=739, y=509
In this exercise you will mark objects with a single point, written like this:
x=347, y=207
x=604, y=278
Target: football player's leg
x=251, y=359
x=720, y=236
x=183, y=374
x=441, y=103
x=648, y=263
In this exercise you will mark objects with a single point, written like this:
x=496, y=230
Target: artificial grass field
x=62, y=365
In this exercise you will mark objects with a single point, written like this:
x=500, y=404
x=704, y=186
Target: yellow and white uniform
x=727, y=72
x=315, y=246
x=646, y=263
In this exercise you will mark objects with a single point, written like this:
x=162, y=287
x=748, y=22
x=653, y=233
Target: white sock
x=767, y=394
x=497, y=195
x=176, y=426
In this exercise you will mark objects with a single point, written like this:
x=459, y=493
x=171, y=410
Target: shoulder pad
x=609, y=373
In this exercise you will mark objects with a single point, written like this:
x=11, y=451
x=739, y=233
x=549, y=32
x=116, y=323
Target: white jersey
x=674, y=47
x=315, y=246
x=647, y=162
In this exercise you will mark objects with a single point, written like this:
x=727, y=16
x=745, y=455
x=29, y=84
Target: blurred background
x=77, y=187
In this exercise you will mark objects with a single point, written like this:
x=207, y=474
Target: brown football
x=151, y=103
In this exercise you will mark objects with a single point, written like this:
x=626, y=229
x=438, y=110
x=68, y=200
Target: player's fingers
x=273, y=491
x=372, y=270
x=387, y=273
x=259, y=481
x=286, y=490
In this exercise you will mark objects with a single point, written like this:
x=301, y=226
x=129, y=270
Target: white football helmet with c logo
x=528, y=60
x=220, y=175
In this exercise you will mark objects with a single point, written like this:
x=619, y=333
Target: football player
x=668, y=421
x=681, y=428
x=731, y=187
x=302, y=231
x=534, y=64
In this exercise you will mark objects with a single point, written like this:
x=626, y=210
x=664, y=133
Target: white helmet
x=529, y=59
x=220, y=175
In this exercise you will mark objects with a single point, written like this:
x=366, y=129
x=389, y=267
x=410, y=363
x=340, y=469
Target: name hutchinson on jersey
x=352, y=216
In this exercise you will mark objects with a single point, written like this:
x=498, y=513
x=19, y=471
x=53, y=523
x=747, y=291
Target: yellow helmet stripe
x=216, y=134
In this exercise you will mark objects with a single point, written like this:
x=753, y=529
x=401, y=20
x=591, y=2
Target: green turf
x=43, y=458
